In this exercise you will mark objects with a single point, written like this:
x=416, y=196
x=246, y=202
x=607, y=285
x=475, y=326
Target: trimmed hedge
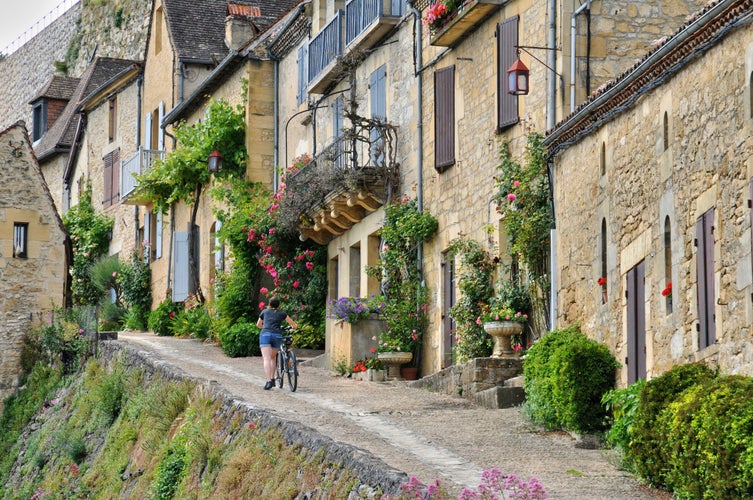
x=698, y=440
x=650, y=450
x=240, y=340
x=566, y=375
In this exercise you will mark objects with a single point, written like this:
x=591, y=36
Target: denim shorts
x=270, y=339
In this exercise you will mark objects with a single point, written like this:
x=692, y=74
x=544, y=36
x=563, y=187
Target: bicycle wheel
x=280, y=370
x=292, y=369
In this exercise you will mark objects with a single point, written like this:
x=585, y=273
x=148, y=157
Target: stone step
x=500, y=397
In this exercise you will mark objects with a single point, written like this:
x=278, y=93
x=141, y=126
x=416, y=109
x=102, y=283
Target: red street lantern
x=517, y=78
x=215, y=161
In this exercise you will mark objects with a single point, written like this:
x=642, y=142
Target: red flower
x=601, y=281
x=309, y=265
x=668, y=290
x=172, y=315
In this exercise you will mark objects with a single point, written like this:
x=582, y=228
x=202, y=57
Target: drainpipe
x=585, y=7
x=139, y=83
x=551, y=121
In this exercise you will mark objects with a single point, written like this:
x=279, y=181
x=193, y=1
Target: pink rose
x=309, y=265
x=263, y=290
x=516, y=183
x=261, y=305
x=296, y=284
x=511, y=197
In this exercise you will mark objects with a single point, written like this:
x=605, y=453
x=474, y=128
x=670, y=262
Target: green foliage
x=475, y=284
x=566, y=375
x=621, y=406
x=60, y=338
x=240, y=339
x=523, y=201
x=308, y=337
x=104, y=275
x=193, y=322
x=406, y=297
x=76, y=449
x=134, y=282
x=649, y=449
x=170, y=470
x=176, y=177
x=89, y=233
x=111, y=394
x=162, y=319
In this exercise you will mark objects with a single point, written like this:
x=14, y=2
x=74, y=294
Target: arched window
x=750, y=94
x=666, y=131
x=603, y=159
x=667, y=290
x=603, y=278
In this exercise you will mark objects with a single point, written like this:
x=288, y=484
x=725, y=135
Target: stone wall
x=707, y=163
x=31, y=285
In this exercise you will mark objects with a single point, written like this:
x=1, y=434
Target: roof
x=59, y=87
x=701, y=32
x=60, y=136
x=197, y=27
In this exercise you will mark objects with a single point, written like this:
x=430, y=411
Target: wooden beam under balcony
x=468, y=17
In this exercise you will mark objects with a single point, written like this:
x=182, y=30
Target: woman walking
x=270, y=338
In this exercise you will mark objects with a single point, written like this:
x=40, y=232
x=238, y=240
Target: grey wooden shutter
x=507, y=104
x=148, y=131
x=636, y=323
x=378, y=103
x=303, y=58
x=148, y=235
x=158, y=237
x=180, y=263
x=444, y=118
x=161, y=131
x=705, y=279
x=115, y=197
x=107, y=178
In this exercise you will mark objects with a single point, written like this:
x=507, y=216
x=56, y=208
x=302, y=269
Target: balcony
x=359, y=27
x=137, y=164
x=337, y=189
x=460, y=23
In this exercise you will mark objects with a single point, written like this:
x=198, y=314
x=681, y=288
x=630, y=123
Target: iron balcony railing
x=360, y=14
x=326, y=46
x=137, y=164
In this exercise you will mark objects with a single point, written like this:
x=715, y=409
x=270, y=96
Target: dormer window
x=40, y=120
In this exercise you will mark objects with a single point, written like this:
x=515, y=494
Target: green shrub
x=193, y=322
x=240, y=339
x=162, y=319
x=134, y=281
x=308, y=337
x=621, y=405
x=649, y=448
x=566, y=377
x=539, y=376
x=110, y=394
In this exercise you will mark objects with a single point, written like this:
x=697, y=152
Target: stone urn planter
x=393, y=360
x=501, y=332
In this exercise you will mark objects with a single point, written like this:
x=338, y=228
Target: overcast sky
x=25, y=18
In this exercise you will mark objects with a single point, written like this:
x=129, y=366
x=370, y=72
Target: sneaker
x=269, y=385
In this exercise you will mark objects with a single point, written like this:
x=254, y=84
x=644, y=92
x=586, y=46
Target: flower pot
x=501, y=332
x=393, y=360
x=409, y=372
x=373, y=375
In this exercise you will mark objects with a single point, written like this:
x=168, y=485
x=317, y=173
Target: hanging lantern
x=517, y=78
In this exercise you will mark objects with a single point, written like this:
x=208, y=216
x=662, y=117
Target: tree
x=182, y=174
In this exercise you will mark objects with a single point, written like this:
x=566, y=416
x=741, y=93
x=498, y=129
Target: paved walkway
x=421, y=433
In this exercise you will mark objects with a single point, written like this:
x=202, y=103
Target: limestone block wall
x=707, y=164
x=36, y=283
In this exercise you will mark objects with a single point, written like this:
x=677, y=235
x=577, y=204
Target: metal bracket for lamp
x=517, y=73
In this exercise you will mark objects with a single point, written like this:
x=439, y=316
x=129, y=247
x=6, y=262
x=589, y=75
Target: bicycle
x=287, y=364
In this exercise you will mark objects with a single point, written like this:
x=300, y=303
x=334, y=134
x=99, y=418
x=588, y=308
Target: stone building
x=653, y=190
x=34, y=251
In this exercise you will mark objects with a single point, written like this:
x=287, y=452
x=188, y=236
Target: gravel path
x=424, y=434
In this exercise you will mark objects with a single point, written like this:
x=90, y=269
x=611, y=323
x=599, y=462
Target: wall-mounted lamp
x=215, y=161
x=517, y=73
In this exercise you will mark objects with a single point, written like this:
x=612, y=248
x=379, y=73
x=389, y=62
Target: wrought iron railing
x=137, y=164
x=359, y=14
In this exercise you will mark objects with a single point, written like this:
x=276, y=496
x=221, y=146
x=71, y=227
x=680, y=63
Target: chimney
x=239, y=27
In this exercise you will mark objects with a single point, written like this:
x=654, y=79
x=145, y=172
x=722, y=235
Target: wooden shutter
x=636, y=323
x=158, y=237
x=444, y=118
x=115, y=197
x=378, y=107
x=180, y=269
x=302, y=73
x=160, y=130
x=148, y=131
x=507, y=104
x=705, y=279
x=107, y=178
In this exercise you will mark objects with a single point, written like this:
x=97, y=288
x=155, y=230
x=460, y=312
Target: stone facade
x=648, y=174
x=36, y=281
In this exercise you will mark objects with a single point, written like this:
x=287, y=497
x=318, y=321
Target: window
x=355, y=271
x=158, y=31
x=507, y=104
x=444, y=118
x=665, y=131
x=603, y=159
x=705, y=291
x=112, y=119
x=333, y=278
x=111, y=194
x=667, y=291
x=378, y=101
x=40, y=120
x=603, y=253
x=303, y=72
x=20, y=239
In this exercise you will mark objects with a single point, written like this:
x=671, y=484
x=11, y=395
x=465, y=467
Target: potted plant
x=506, y=315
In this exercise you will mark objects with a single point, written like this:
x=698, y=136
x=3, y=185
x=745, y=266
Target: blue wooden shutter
x=161, y=131
x=444, y=118
x=148, y=131
x=180, y=266
x=107, y=178
x=303, y=72
x=148, y=236
x=507, y=104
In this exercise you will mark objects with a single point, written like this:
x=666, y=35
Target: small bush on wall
x=566, y=375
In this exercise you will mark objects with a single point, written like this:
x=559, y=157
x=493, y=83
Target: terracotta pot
x=409, y=372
